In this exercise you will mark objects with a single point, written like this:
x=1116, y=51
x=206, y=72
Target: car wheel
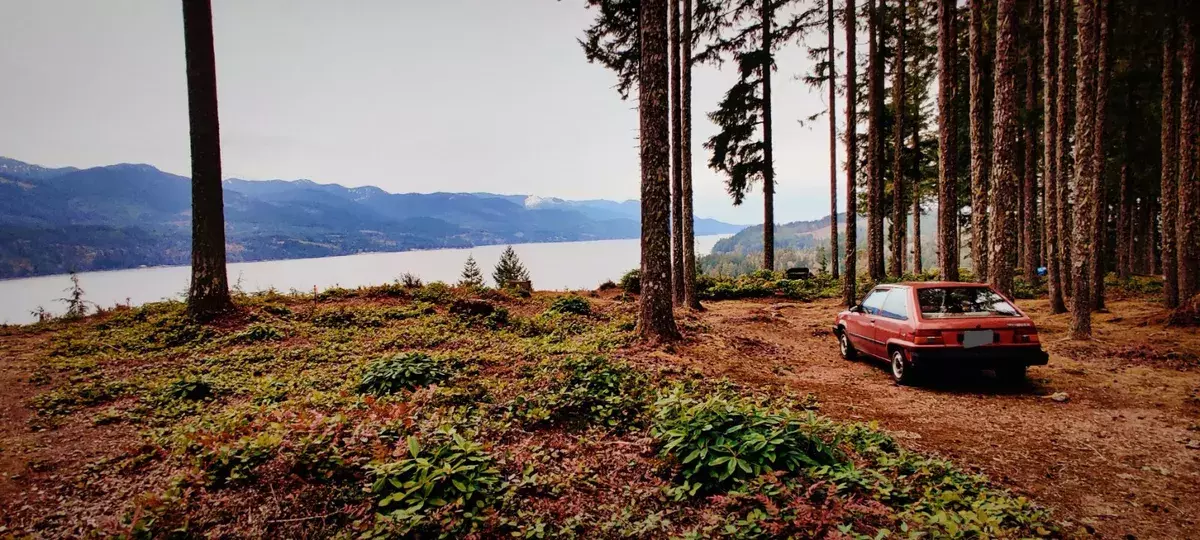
x=845, y=347
x=902, y=372
x=1011, y=374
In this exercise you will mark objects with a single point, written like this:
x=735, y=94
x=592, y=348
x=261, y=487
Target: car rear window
x=963, y=302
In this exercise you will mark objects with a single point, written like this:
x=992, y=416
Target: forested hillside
x=123, y=216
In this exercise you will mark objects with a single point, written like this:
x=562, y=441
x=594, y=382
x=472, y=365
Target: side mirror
x=856, y=309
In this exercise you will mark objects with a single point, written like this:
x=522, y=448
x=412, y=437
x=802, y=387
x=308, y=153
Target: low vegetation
x=396, y=410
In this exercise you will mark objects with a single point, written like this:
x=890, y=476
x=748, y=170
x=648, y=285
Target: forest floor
x=1121, y=456
x=100, y=431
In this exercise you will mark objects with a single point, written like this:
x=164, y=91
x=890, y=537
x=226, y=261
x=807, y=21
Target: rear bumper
x=979, y=357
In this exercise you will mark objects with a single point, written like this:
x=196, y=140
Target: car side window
x=896, y=305
x=874, y=301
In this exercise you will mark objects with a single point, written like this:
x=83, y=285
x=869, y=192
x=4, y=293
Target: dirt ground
x=1120, y=457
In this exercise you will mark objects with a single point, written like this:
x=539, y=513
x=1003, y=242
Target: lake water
x=552, y=266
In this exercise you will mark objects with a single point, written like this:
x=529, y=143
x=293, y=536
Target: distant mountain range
x=802, y=235
x=126, y=216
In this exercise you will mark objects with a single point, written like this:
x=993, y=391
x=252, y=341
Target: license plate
x=975, y=338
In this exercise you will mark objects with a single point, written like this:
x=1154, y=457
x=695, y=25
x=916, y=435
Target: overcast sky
x=407, y=95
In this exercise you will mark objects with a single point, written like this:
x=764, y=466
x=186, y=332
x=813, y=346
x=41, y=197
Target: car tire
x=1011, y=374
x=845, y=347
x=902, y=372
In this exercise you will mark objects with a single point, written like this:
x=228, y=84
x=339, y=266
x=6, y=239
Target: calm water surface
x=555, y=266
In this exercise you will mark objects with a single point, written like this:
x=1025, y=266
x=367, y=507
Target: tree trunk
x=1153, y=215
x=1029, y=224
x=833, y=209
x=1099, y=223
x=1170, y=145
x=898, y=93
x=1050, y=149
x=656, y=321
x=1061, y=170
x=981, y=151
x=874, y=145
x=1125, y=237
x=208, y=294
x=916, y=195
x=1085, y=173
x=1066, y=99
x=850, y=276
x=676, y=155
x=947, y=183
x=690, y=299
x=1003, y=221
x=1188, y=187
x=768, y=162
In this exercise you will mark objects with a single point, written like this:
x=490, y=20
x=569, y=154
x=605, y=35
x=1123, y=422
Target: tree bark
x=1029, y=224
x=947, y=183
x=676, y=155
x=1188, y=187
x=1051, y=149
x=1003, y=219
x=208, y=294
x=981, y=151
x=916, y=196
x=1170, y=145
x=1099, y=223
x=768, y=162
x=1125, y=235
x=874, y=145
x=1085, y=171
x=1066, y=100
x=1061, y=156
x=833, y=207
x=850, y=276
x=1153, y=215
x=656, y=321
x=690, y=299
x=898, y=171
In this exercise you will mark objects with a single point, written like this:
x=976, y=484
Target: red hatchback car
x=921, y=326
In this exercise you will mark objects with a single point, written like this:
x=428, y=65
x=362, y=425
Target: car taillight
x=928, y=337
x=1026, y=335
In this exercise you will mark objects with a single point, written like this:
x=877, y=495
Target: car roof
x=942, y=284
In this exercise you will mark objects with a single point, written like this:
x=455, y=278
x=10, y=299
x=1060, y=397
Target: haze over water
x=552, y=266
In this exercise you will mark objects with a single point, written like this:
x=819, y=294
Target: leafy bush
x=76, y=396
x=445, y=487
x=571, y=304
x=235, y=463
x=189, y=387
x=589, y=390
x=258, y=332
x=608, y=285
x=631, y=282
x=434, y=293
x=400, y=372
x=723, y=440
x=410, y=281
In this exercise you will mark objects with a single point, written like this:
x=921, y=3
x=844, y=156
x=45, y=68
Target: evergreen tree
x=208, y=294
x=899, y=107
x=850, y=277
x=509, y=269
x=947, y=178
x=1188, y=185
x=981, y=140
x=472, y=276
x=1096, y=263
x=656, y=320
x=1085, y=168
x=687, y=44
x=1003, y=205
x=1170, y=164
x=1052, y=74
x=674, y=46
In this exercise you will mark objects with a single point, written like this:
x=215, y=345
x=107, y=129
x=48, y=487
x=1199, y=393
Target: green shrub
x=75, y=396
x=258, y=332
x=571, y=304
x=342, y=317
x=443, y=488
x=631, y=282
x=189, y=387
x=434, y=293
x=401, y=372
x=608, y=285
x=723, y=440
x=589, y=390
x=235, y=463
